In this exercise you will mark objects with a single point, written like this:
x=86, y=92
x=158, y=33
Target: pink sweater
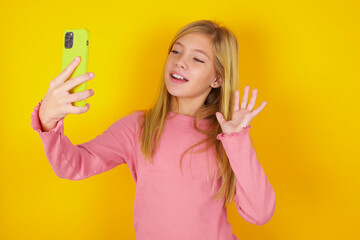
x=168, y=204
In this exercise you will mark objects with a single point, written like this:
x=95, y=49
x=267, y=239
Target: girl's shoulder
x=132, y=119
x=133, y=115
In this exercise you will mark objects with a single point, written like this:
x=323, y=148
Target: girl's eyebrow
x=198, y=50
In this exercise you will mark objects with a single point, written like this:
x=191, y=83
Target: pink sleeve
x=106, y=151
x=254, y=196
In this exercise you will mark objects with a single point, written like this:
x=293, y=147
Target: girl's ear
x=217, y=82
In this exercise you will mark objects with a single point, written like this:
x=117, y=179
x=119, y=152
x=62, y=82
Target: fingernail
x=92, y=74
x=77, y=59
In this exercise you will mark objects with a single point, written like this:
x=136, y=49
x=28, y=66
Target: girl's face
x=191, y=57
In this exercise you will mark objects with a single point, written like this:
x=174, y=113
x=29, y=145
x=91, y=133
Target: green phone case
x=79, y=46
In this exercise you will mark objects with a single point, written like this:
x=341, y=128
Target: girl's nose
x=180, y=60
x=180, y=63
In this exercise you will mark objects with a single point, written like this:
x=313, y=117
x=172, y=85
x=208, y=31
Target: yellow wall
x=302, y=56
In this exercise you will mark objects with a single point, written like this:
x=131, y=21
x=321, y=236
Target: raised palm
x=243, y=114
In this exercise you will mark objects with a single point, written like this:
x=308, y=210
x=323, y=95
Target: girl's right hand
x=57, y=102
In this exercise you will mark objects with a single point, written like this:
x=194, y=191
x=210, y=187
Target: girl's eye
x=196, y=59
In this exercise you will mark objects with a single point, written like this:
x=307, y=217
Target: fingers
x=259, y=109
x=65, y=74
x=251, y=105
x=79, y=110
x=75, y=97
x=245, y=97
x=73, y=82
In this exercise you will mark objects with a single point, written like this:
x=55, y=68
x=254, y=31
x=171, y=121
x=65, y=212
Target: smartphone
x=76, y=43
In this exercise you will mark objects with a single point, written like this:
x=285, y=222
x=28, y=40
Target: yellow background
x=302, y=56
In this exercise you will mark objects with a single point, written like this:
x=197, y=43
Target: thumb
x=220, y=118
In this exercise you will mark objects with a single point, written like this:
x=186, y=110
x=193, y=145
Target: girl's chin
x=177, y=92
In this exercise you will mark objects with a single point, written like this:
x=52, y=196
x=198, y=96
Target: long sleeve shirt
x=169, y=204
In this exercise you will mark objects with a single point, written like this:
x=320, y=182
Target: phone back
x=76, y=43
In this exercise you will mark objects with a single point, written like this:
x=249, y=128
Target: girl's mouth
x=176, y=80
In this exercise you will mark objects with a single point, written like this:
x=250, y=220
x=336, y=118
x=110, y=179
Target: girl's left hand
x=241, y=117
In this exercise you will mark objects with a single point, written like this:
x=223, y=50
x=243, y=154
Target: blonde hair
x=225, y=52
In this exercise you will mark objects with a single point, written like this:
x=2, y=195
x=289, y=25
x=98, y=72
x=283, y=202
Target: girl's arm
x=75, y=162
x=254, y=196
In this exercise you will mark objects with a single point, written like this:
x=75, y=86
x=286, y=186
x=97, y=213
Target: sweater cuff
x=244, y=130
x=36, y=124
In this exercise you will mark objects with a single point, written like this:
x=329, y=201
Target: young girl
x=189, y=155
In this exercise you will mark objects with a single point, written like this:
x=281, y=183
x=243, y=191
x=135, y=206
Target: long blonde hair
x=225, y=52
